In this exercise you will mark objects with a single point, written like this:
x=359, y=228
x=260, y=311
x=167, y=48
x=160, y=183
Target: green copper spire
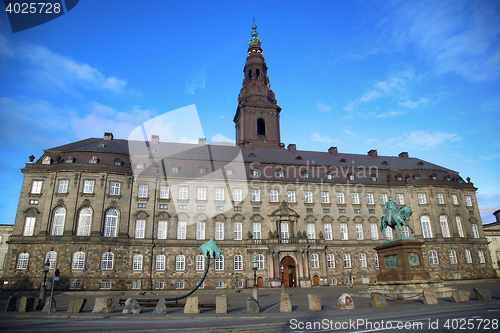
x=254, y=40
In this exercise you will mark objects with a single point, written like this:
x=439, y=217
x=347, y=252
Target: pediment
x=284, y=210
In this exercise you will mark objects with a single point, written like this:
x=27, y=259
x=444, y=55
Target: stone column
x=324, y=269
x=271, y=264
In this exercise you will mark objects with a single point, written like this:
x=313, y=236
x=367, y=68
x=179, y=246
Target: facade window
x=440, y=198
x=329, y=175
x=347, y=261
x=311, y=231
x=29, y=226
x=202, y=193
x=105, y=284
x=314, y=261
x=219, y=194
x=201, y=207
x=330, y=261
x=162, y=229
x=237, y=209
x=181, y=230
x=118, y=162
x=200, y=230
x=453, y=256
x=160, y=262
x=70, y=159
x=475, y=232
x=343, y=231
x=175, y=168
x=33, y=202
x=107, y=260
x=455, y=199
x=459, y=226
x=63, y=186
x=88, y=186
x=84, y=222
x=22, y=261
x=203, y=169
x=389, y=234
x=58, y=225
x=51, y=258
x=281, y=173
x=305, y=174
x=93, y=160
x=36, y=187
x=468, y=257
x=284, y=231
x=383, y=199
x=257, y=231
x=359, y=232
x=340, y=198
x=399, y=177
x=375, y=258
x=237, y=195
x=356, y=211
x=143, y=191
x=421, y=199
x=351, y=176
x=374, y=177
x=468, y=201
x=433, y=258
x=309, y=197
x=179, y=285
x=163, y=206
x=164, y=192
x=273, y=196
x=369, y=199
x=136, y=285
x=426, y=227
x=374, y=230
x=111, y=223
x=139, y=228
x=220, y=284
x=260, y=261
x=237, y=231
x=326, y=210
x=46, y=160
x=114, y=188
x=219, y=263
x=229, y=171
x=444, y=226
x=183, y=193
x=355, y=198
x=238, y=262
x=180, y=263
x=291, y=196
x=141, y=205
x=255, y=173
x=416, y=176
x=137, y=262
x=328, y=231
x=255, y=195
x=200, y=263
x=219, y=230
x=325, y=198
x=74, y=284
x=405, y=231
x=401, y=199
x=362, y=260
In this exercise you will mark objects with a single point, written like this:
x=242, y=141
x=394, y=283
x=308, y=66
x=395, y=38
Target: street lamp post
x=282, y=269
x=255, y=264
x=43, y=288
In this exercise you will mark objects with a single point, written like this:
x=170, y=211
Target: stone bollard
x=255, y=293
x=191, y=306
x=103, y=305
x=79, y=304
x=252, y=305
x=50, y=304
x=161, y=308
x=221, y=304
x=378, y=301
x=483, y=295
x=11, y=304
x=132, y=306
x=314, y=302
x=460, y=296
x=345, y=302
x=430, y=297
x=285, y=304
x=26, y=304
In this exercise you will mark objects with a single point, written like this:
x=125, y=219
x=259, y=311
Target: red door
x=260, y=282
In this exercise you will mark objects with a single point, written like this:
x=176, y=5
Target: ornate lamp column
x=282, y=269
x=43, y=288
x=255, y=264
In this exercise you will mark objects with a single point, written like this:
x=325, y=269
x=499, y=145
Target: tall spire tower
x=257, y=118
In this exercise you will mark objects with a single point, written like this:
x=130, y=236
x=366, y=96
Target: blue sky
x=416, y=76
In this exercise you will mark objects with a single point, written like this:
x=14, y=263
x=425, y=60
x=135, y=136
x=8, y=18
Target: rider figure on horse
x=390, y=208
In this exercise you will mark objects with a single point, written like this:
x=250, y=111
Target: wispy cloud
x=424, y=140
x=323, y=108
x=196, y=82
x=321, y=138
x=219, y=138
x=389, y=114
x=412, y=105
x=348, y=131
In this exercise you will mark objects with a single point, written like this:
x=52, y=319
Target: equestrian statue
x=395, y=216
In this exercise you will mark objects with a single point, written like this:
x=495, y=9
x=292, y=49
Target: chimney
x=292, y=148
x=108, y=136
x=373, y=153
x=404, y=154
x=155, y=139
x=282, y=145
x=333, y=151
x=202, y=142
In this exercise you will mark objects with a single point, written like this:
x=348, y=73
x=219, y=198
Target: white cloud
x=390, y=114
x=321, y=138
x=349, y=132
x=197, y=82
x=323, y=107
x=423, y=140
x=219, y=138
x=412, y=105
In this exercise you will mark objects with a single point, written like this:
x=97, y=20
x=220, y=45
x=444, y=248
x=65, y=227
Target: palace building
x=112, y=219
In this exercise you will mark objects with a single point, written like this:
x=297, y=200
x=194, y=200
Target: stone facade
x=5, y=233
x=492, y=232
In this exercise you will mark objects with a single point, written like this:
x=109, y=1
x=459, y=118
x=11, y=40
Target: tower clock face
x=413, y=259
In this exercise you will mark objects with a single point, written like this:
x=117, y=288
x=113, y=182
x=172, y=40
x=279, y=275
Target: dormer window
x=100, y=145
x=175, y=168
x=118, y=162
x=374, y=177
x=70, y=159
x=385, y=163
x=255, y=172
x=202, y=152
x=329, y=175
x=141, y=165
x=351, y=176
x=47, y=160
x=229, y=171
x=434, y=176
x=281, y=173
x=298, y=157
x=416, y=176
x=448, y=178
x=305, y=174
x=420, y=163
x=251, y=155
x=399, y=177
x=343, y=160
x=93, y=160
x=203, y=169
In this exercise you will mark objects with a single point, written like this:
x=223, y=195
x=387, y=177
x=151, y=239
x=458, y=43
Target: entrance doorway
x=289, y=276
x=315, y=280
x=260, y=282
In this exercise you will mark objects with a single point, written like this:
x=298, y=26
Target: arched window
x=219, y=263
x=58, y=224
x=160, y=262
x=260, y=261
x=51, y=258
x=250, y=75
x=468, y=257
x=374, y=177
x=111, y=223
x=238, y=262
x=453, y=256
x=314, y=261
x=347, y=261
x=261, y=127
x=84, y=221
x=22, y=261
x=200, y=263
x=257, y=73
x=426, y=226
x=107, y=260
x=362, y=260
x=137, y=262
x=180, y=263
x=330, y=260
x=433, y=258
x=78, y=260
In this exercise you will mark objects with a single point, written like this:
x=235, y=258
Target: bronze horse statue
x=399, y=217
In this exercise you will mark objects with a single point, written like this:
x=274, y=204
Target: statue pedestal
x=401, y=260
